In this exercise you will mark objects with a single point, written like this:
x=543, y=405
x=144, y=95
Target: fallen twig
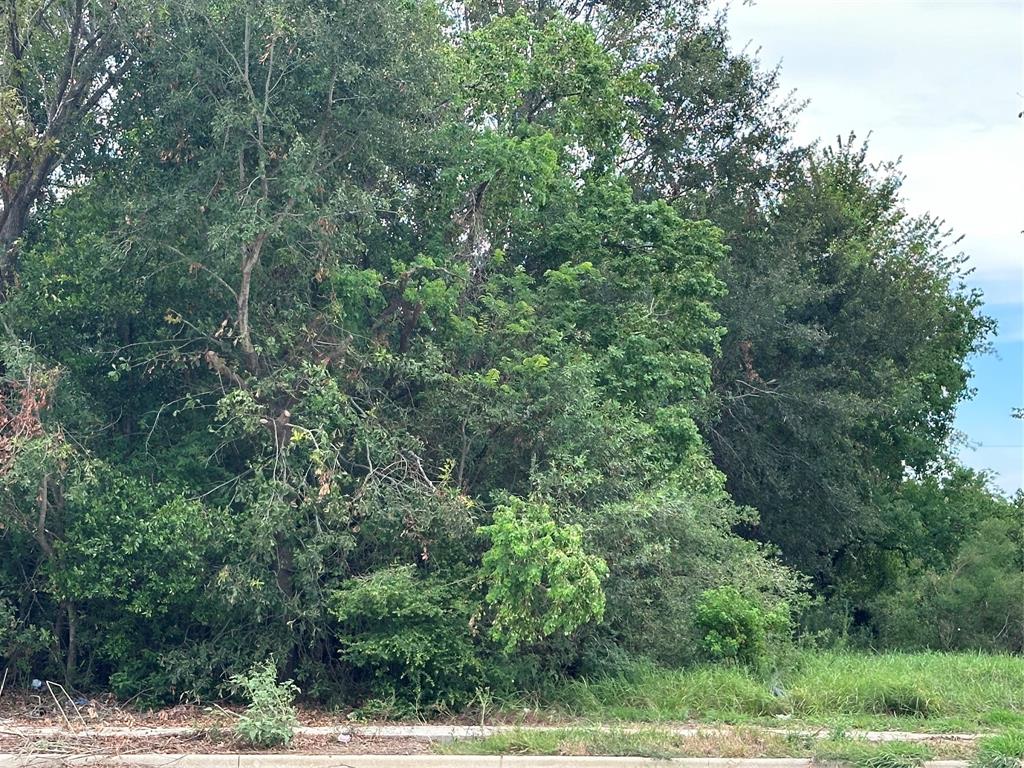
x=68, y=697
x=63, y=714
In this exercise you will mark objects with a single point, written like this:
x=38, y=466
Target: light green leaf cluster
x=539, y=579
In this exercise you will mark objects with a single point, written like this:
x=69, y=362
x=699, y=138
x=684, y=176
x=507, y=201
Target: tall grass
x=920, y=684
x=1003, y=751
x=649, y=693
x=929, y=691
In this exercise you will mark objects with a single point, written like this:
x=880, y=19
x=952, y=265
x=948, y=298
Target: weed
x=1005, y=718
x=270, y=718
x=215, y=734
x=484, y=700
x=648, y=693
x=385, y=708
x=903, y=698
x=517, y=742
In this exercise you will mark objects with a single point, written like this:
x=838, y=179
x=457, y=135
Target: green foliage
x=851, y=374
x=410, y=635
x=423, y=349
x=19, y=644
x=971, y=601
x=736, y=628
x=270, y=718
x=665, y=549
x=539, y=579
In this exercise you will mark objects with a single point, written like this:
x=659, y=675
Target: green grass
x=932, y=692
x=738, y=743
x=648, y=742
x=1003, y=751
x=863, y=754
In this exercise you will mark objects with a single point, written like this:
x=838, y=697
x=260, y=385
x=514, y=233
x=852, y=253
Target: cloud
x=940, y=85
x=936, y=83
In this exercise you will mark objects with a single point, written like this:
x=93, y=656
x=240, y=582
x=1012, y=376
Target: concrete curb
x=445, y=733
x=402, y=761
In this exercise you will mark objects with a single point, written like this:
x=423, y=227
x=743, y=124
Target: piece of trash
x=37, y=684
x=81, y=701
x=344, y=738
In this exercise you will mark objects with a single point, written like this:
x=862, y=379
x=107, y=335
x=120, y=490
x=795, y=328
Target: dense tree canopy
x=424, y=346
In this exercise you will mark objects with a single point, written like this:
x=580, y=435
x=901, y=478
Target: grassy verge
x=1003, y=751
x=648, y=742
x=928, y=692
x=862, y=754
x=740, y=743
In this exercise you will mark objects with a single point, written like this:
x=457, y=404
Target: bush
x=664, y=549
x=20, y=643
x=735, y=628
x=541, y=581
x=270, y=719
x=409, y=637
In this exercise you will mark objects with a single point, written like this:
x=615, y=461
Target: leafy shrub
x=19, y=643
x=735, y=628
x=409, y=636
x=541, y=582
x=664, y=549
x=270, y=719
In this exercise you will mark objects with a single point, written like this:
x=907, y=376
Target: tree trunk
x=72, y=651
x=14, y=217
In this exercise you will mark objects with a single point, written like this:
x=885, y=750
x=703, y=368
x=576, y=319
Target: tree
x=62, y=63
x=952, y=577
x=850, y=328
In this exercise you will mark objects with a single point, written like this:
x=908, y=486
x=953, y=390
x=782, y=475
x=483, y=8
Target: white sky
x=938, y=82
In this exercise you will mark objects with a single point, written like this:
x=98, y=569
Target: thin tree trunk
x=72, y=653
x=44, y=510
x=250, y=258
x=15, y=215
